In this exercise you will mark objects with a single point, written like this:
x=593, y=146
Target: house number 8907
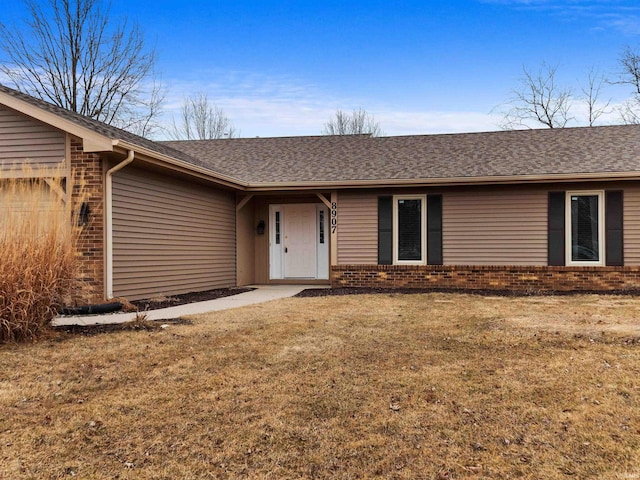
x=334, y=217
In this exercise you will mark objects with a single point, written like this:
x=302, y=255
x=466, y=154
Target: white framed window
x=584, y=230
x=409, y=232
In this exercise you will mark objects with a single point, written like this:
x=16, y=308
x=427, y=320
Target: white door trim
x=315, y=256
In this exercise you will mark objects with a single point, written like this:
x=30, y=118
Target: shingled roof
x=519, y=153
x=606, y=151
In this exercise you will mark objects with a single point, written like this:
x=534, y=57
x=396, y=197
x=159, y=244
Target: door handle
x=286, y=250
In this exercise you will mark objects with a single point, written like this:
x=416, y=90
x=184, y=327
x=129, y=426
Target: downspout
x=109, y=221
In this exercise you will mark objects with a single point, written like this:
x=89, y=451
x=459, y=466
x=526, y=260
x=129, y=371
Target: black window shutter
x=385, y=230
x=556, y=227
x=434, y=229
x=613, y=228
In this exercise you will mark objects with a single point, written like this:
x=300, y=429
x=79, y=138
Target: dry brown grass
x=38, y=261
x=429, y=386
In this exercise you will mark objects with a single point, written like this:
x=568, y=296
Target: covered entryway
x=299, y=241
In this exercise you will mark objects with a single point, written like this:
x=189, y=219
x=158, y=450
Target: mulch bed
x=134, y=326
x=323, y=292
x=151, y=304
x=182, y=299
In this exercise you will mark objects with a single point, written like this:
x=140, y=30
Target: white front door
x=298, y=241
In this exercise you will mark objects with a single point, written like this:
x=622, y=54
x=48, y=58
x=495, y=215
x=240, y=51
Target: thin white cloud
x=258, y=105
x=620, y=15
x=416, y=123
x=628, y=24
x=261, y=105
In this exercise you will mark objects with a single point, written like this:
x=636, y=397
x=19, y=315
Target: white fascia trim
x=453, y=181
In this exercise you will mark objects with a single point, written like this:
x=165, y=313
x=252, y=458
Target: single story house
x=528, y=210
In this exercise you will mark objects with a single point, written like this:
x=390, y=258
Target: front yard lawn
x=424, y=386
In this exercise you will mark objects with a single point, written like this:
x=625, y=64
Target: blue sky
x=283, y=67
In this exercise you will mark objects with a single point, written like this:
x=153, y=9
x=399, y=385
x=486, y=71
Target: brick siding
x=88, y=186
x=532, y=279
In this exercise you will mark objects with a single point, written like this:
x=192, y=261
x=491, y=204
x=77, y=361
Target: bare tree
x=202, y=120
x=629, y=111
x=71, y=55
x=592, y=92
x=357, y=122
x=630, y=75
x=539, y=100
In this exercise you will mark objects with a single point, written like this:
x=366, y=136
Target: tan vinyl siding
x=27, y=141
x=170, y=236
x=261, y=242
x=496, y=227
x=357, y=228
x=631, y=226
x=502, y=227
x=245, y=244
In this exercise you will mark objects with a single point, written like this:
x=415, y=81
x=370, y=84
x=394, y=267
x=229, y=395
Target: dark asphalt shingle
x=548, y=152
x=493, y=154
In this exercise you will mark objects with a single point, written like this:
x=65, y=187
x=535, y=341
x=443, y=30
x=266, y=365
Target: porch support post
x=333, y=225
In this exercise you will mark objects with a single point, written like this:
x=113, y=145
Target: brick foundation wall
x=517, y=279
x=88, y=186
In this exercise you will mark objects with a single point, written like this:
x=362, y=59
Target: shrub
x=38, y=264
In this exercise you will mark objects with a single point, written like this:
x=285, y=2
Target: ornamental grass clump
x=38, y=264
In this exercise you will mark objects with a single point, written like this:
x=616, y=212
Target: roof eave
x=183, y=166
x=453, y=181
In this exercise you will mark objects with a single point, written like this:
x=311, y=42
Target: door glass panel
x=584, y=228
x=410, y=229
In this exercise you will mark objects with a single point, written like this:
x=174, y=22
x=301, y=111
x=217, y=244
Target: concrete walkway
x=262, y=293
